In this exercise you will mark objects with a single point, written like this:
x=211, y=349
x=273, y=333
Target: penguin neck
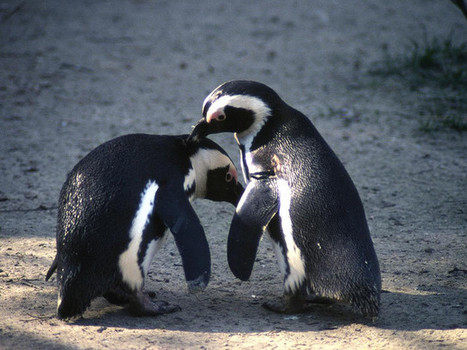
x=246, y=137
x=253, y=143
x=244, y=142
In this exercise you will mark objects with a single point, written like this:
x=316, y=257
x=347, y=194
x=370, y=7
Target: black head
x=216, y=177
x=238, y=106
x=223, y=185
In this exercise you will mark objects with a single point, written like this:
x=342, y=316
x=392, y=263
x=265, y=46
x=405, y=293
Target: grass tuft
x=437, y=69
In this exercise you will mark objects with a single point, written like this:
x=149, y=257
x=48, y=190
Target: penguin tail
x=52, y=269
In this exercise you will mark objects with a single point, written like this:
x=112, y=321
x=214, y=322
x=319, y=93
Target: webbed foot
x=142, y=305
x=290, y=304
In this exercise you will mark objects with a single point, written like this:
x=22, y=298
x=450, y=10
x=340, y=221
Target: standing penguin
x=301, y=192
x=114, y=209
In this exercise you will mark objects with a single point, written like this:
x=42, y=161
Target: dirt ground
x=74, y=74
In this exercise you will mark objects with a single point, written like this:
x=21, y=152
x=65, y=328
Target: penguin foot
x=142, y=305
x=290, y=304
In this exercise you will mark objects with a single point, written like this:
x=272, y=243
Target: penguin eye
x=228, y=177
x=221, y=117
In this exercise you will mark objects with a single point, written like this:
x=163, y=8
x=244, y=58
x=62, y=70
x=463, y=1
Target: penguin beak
x=199, y=131
x=206, y=127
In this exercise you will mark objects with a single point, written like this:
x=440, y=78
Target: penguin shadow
x=222, y=314
x=34, y=341
x=430, y=307
x=225, y=312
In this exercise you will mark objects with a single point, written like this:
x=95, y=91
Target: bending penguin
x=114, y=209
x=300, y=191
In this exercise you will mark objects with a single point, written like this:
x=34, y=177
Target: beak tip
x=198, y=132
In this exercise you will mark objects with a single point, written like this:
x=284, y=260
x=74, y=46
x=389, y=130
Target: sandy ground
x=74, y=74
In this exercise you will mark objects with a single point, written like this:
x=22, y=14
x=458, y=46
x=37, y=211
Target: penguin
x=299, y=190
x=115, y=207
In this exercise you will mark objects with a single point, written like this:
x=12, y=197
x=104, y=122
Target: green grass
x=437, y=70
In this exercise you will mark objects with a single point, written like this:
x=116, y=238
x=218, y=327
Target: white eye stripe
x=211, y=96
x=252, y=103
x=256, y=105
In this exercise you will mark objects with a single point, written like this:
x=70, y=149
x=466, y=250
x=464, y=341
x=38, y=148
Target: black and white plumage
x=301, y=192
x=114, y=209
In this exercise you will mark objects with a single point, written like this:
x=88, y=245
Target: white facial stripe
x=128, y=261
x=240, y=101
x=294, y=256
x=259, y=108
x=203, y=161
x=212, y=95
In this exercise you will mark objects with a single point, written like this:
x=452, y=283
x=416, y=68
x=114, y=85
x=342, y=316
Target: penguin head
x=216, y=177
x=238, y=106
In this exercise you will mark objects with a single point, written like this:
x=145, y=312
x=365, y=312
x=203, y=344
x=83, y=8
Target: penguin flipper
x=174, y=208
x=255, y=210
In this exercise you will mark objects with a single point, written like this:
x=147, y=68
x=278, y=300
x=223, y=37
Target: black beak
x=199, y=131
